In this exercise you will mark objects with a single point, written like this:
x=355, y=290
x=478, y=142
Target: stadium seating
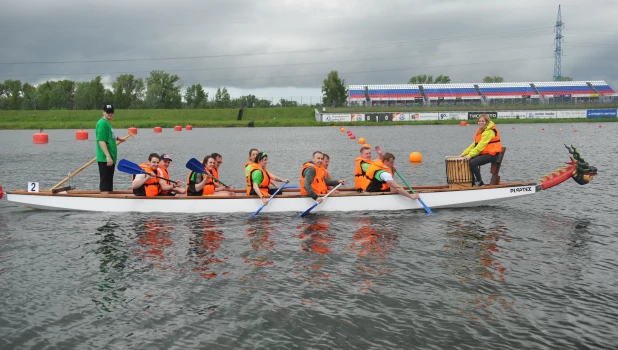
x=603, y=88
x=572, y=88
x=506, y=90
x=451, y=91
x=388, y=92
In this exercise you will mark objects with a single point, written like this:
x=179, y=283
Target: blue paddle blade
x=307, y=211
x=195, y=166
x=257, y=212
x=129, y=167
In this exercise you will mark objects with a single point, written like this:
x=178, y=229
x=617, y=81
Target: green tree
x=12, y=90
x=82, y=95
x=61, y=95
x=97, y=93
x=428, y=79
x=288, y=103
x=565, y=79
x=31, y=97
x=195, y=96
x=262, y=103
x=43, y=92
x=225, y=98
x=162, y=90
x=217, y=99
x=334, y=91
x=128, y=91
x=494, y=79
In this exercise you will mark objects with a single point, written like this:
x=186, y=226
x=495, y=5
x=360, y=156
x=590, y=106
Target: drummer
x=486, y=148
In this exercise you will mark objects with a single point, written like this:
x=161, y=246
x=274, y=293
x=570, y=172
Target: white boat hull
x=344, y=202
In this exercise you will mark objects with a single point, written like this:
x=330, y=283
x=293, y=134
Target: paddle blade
x=307, y=211
x=195, y=166
x=129, y=167
x=257, y=212
x=426, y=207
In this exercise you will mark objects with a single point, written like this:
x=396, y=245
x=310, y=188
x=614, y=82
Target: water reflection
x=205, y=242
x=154, y=239
x=113, y=260
x=315, y=240
x=474, y=254
x=4, y=239
x=372, y=242
x=259, y=235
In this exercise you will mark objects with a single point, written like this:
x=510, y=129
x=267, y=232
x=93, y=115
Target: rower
x=213, y=186
x=197, y=181
x=259, y=179
x=147, y=184
x=380, y=175
x=163, y=171
x=218, y=160
x=362, y=164
x=325, y=163
x=252, y=154
x=312, y=179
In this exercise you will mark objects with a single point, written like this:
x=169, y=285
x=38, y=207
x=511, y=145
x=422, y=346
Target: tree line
x=160, y=90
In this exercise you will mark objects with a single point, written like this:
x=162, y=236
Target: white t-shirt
x=386, y=176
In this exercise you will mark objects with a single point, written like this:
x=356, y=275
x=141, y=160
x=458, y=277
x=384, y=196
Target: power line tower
x=558, y=51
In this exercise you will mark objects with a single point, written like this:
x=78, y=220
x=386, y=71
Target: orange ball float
x=463, y=123
x=342, y=129
x=81, y=135
x=40, y=138
x=133, y=130
x=188, y=127
x=416, y=157
x=361, y=140
x=158, y=129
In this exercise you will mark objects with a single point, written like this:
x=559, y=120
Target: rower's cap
x=165, y=156
x=108, y=108
x=260, y=156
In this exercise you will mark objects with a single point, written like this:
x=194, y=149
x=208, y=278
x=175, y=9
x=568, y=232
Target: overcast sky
x=277, y=48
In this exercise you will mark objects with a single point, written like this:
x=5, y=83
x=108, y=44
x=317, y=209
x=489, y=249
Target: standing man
x=107, y=153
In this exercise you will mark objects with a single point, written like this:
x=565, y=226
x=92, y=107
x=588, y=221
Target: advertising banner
x=571, y=114
x=542, y=114
x=600, y=113
x=475, y=115
x=423, y=116
x=453, y=116
x=336, y=118
x=358, y=117
x=511, y=115
x=401, y=117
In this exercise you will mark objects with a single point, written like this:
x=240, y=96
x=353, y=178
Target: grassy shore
x=262, y=117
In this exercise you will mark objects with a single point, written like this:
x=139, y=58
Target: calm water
x=535, y=273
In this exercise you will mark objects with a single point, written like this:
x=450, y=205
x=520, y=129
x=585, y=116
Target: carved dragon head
x=583, y=173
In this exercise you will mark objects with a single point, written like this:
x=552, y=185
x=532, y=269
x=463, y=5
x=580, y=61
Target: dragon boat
x=290, y=200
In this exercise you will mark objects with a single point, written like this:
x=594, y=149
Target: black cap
x=108, y=108
x=165, y=157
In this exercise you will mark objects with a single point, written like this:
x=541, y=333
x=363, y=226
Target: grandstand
x=566, y=92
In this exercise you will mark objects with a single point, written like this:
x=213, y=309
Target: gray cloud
x=368, y=42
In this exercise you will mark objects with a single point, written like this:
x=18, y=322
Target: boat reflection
x=372, y=241
x=474, y=260
x=113, y=259
x=259, y=235
x=316, y=240
x=205, y=242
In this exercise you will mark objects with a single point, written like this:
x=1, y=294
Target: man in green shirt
x=107, y=153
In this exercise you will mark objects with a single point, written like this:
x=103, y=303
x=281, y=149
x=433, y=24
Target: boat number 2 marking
x=521, y=189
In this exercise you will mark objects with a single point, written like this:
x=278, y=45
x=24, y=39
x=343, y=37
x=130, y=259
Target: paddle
x=419, y=198
x=316, y=203
x=197, y=166
x=87, y=164
x=131, y=168
x=269, y=199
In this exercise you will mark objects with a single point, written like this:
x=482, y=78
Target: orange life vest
x=214, y=172
x=361, y=181
x=326, y=173
x=209, y=186
x=151, y=187
x=318, y=185
x=163, y=173
x=494, y=146
x=265, y=180
x=376, y=184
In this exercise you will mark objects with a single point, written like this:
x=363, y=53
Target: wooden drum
x=458, y=173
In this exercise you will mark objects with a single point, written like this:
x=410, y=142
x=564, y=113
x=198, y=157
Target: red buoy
x=463, y=123
x=178, y=128
x=352, y=137
x=133, y=130
x=1, y=192
x=158, y=129
x=81, y=134
x=188, y=127
x=40, y=138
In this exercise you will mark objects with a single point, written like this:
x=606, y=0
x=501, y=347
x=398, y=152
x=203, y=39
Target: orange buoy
x=158, y=129
x=133, y=130
x=188, y=127
x=334, y=126
x=463, y=123
x=342, y=129
x=416, y=157
x=81, y=134
x=178, y=128
x=361, y=140
x=40, y=138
